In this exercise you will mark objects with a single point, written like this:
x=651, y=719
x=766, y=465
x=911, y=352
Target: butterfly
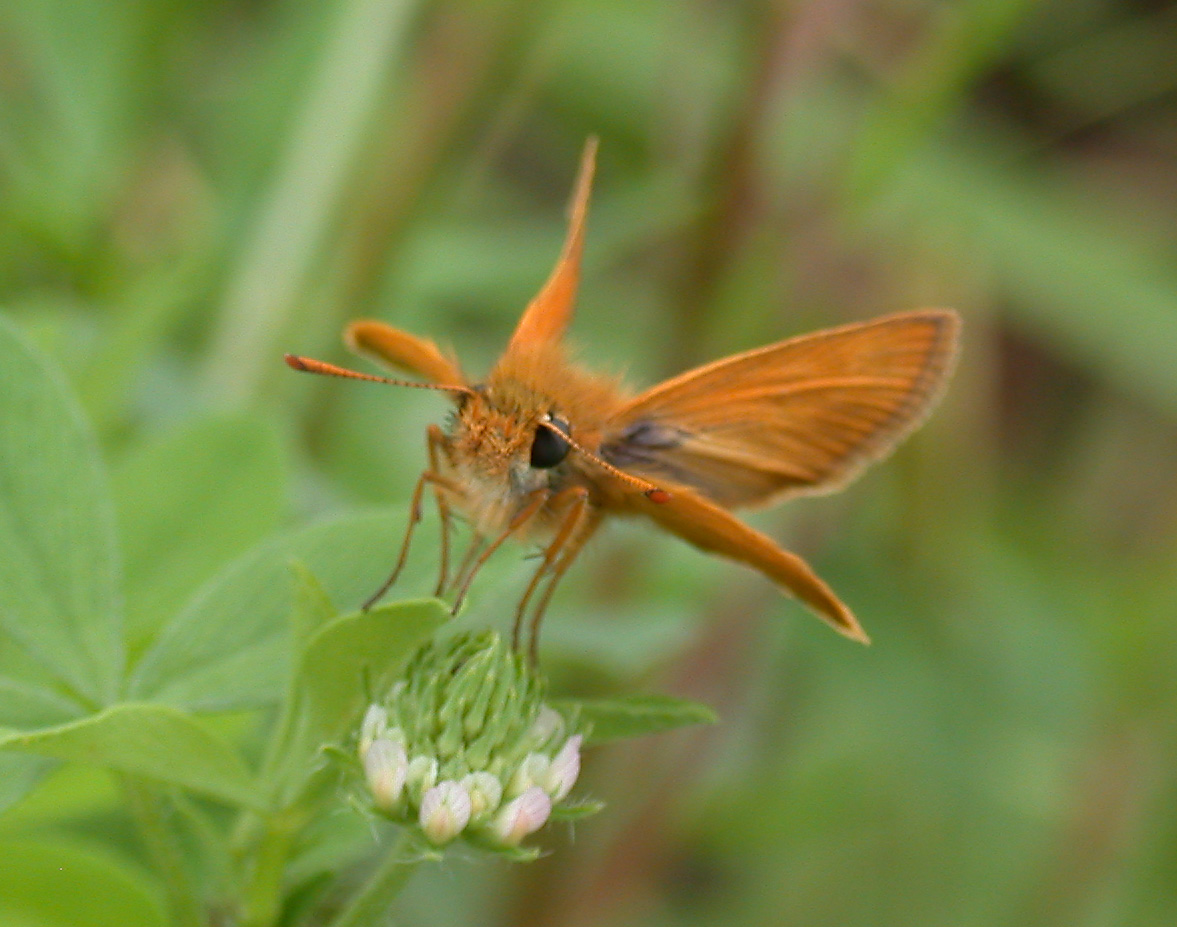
x=542, y=450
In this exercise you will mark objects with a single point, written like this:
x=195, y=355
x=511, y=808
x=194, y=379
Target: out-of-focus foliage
x=189, y=189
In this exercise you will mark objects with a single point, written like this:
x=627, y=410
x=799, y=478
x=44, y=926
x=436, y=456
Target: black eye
x=548, y=448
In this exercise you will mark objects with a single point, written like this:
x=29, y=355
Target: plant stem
x=262, y=897
x=262, y=845
x=264, y=291
x=147, y=809
x=370, y=905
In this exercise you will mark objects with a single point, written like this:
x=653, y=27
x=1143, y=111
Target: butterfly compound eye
x=549, y=448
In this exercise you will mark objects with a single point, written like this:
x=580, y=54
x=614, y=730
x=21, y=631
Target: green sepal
x=576, y=810
x=635, y=715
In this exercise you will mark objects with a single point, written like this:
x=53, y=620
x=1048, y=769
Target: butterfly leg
x=437, y=442
x=536, y=501
x=572, y=517
x=477, y=540
x=586, y=526
x=440, y=484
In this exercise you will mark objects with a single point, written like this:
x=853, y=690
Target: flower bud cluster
x=463, y=744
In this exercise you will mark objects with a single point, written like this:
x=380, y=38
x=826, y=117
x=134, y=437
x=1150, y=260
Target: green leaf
x=31, y=695
x=28, y=704
x=312, y=606
x=230, y=647
x=636, y=715
x=150, y=740
x=58, y=562
x=58, y=885
x=18, y=776
x=374, y=645
x=188, y=503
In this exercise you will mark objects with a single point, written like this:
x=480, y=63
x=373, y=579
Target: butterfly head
x=506, y=442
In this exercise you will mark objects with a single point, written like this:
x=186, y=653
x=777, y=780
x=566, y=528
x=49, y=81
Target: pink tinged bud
x=445, y=810
x=521, y=816
x=485, y=793
x=385, y=767
x=565, y=768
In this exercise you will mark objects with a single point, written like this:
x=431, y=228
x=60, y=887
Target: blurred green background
x=189, y=189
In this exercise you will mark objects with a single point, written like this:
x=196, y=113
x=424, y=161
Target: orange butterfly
x=541, y=449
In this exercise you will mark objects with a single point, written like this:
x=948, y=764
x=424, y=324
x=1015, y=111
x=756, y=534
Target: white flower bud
x=548, y=725
x=385, y=767
x=485, y=793
x=421, y=777
x=445, y=810
x=521, y=816
x=563, y=771
x=374, y=724
x=532, y=771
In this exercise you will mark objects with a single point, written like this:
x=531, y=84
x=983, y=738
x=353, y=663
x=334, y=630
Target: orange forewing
x=547, y=316
x=399, y=349
x=801, y=416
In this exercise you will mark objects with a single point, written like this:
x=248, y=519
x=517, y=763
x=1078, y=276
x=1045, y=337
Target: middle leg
x=572, y=517
x=536, y=501
x=589, y=523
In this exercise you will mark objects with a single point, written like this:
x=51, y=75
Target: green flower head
x=463, y=745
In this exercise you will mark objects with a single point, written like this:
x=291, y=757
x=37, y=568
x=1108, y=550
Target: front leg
x=436, y=441
x=441, y=485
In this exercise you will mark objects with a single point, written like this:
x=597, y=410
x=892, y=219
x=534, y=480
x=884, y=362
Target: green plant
x=226, y=815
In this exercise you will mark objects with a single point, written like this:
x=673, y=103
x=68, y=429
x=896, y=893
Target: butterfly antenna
x=310, y=365
x=648, y=489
